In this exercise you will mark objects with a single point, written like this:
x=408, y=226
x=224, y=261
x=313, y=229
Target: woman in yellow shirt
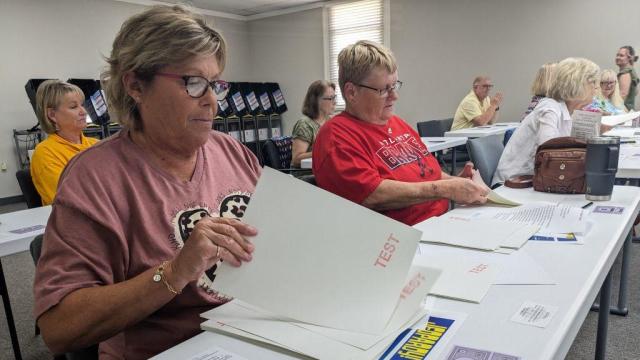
x=61, y=115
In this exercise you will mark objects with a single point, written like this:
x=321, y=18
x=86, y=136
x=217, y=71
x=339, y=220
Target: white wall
x=66, y=39
x=442, y=45
x=288, y=49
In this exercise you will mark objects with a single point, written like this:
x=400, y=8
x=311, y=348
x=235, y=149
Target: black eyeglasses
x=197, y=85
x=330, y=98
x=384, y=92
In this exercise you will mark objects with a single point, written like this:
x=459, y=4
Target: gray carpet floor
x=622, y=340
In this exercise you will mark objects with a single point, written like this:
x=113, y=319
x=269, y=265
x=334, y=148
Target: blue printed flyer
x=426, y=339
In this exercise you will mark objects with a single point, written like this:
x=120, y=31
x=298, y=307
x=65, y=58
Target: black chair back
x=29, y=191
x=485, y=153
x=276, y=152
x=434, y=128
x=311, y=179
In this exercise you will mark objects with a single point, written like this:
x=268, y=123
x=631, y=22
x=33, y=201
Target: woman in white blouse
x=573, y=88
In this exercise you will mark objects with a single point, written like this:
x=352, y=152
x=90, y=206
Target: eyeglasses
x=330, y=98
x=607, y=83
x=384, y=92
x=197, y=85
x=486, y=86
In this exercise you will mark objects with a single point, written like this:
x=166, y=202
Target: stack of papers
x=484, y=234
x=328, y=284
x=553, y=219
x=241, y=319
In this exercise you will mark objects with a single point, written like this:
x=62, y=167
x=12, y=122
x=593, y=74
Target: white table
x=579, y=270
x=13, y=240
x=433, y=144
x=482, y=131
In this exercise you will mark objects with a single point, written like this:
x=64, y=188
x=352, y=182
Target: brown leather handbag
x=559, y=166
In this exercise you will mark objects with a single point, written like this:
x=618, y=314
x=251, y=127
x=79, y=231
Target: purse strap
x=562, y=143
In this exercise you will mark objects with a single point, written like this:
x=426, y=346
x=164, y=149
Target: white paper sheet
x=534, y=314
x=320, y=258
x=613, y=120
x=216, y=353
x=483, y=234
x=496, y=198
x=551, y=217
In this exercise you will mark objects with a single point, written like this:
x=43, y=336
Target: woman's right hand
x=212, y=240
x=466, y=191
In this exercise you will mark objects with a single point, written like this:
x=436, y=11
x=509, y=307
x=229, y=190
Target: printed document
x=534, y=314
x=343, y=268
x=585, y=124
x=550, y=217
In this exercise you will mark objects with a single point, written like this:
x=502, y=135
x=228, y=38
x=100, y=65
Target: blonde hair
x=615, y=99
x=544, y=77
x=572, y=79
x=49, y=96
x=356, y=61
x=148, y=41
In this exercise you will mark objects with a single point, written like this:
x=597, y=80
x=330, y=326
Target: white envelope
x=319, y=258
x=462, y=278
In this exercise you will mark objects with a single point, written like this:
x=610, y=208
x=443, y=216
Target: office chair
x=437, y=128
x=485, y=153
x=434, y=128
x=90, y=353
x=276, y=154
x=29, y=192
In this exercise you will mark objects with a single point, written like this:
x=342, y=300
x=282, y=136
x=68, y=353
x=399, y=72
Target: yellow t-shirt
x=48, y=161
x=469, y=109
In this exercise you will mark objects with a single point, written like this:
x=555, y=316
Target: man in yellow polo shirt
x=477, y=109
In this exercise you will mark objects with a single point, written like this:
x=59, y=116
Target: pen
x=588, y=204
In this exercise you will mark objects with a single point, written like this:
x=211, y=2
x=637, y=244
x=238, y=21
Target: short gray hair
x=356, y=61
x=157, y=37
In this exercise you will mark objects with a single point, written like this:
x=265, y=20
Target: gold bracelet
x=159, y=276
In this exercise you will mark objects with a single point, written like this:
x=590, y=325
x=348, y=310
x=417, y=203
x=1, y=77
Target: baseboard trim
x=11, y=200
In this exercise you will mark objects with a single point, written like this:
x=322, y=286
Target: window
x=348, y=23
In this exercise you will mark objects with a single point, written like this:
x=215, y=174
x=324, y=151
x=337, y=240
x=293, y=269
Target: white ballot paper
x=534, y=314
x=319, y=258
x=498, y=199
x=585, y=124
x=462, y=278
x=485, y=234
x=614, y=120
x=244, y=320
